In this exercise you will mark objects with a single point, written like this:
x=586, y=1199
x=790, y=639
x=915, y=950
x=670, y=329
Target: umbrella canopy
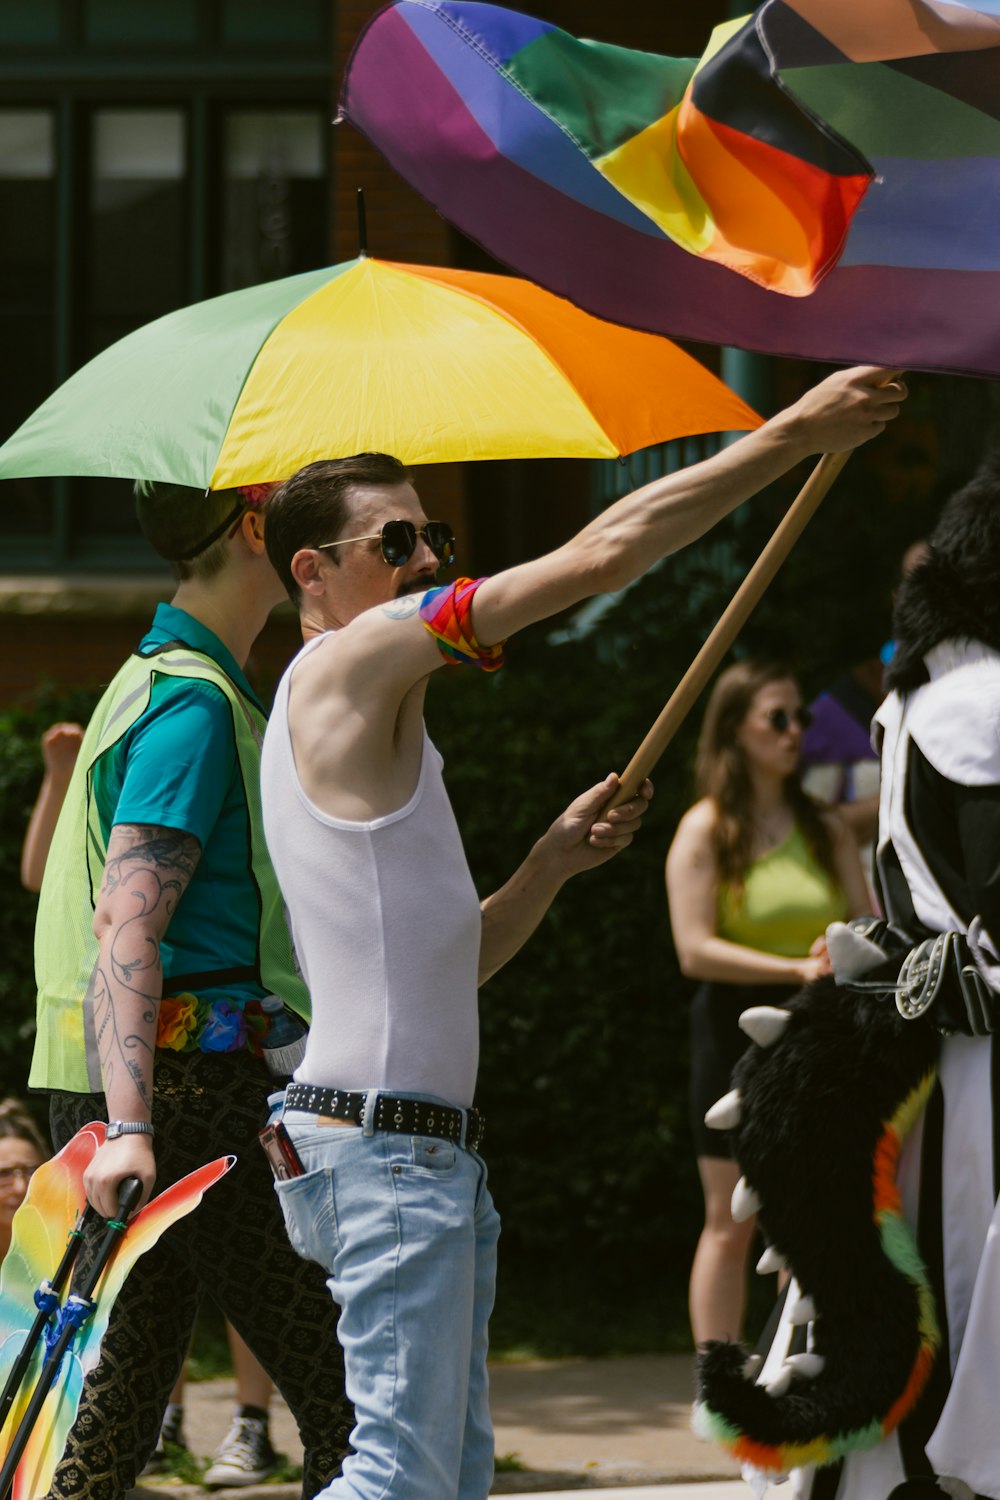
x=431, y=365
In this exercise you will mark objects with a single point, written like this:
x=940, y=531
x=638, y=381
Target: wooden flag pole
x=737, y=612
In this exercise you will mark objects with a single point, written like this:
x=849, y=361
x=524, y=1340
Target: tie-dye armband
x=445, y=612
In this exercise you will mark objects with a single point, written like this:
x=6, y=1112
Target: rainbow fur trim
x=446, y=612
x=840, y=1089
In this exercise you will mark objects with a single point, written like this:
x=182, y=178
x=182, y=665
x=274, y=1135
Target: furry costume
x=825, y=1106
x=844, y=1066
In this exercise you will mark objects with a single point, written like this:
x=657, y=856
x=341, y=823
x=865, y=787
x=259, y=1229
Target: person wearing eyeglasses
x=388, y=928
x=755, y=873
x=22, y=1151
x=160, y=936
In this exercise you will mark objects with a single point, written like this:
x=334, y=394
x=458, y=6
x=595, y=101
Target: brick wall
x=88, y=652
x=401, y=226
x=67, y=653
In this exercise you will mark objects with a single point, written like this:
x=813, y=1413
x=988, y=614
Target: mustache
x=418, y=585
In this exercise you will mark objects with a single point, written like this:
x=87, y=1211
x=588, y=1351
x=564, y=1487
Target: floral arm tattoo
x=146, y=872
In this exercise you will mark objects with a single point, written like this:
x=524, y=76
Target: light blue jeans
x=406, y=1229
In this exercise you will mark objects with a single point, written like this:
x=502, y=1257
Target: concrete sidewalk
x=560, y=1425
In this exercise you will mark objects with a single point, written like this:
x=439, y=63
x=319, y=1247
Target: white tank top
x=386, y=925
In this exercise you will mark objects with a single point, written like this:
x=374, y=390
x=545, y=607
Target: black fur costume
x=815, y=1107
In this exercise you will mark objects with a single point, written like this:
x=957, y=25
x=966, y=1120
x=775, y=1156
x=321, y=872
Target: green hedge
x=20, y=777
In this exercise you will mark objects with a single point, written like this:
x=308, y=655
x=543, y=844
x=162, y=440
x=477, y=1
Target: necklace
x=772, y=831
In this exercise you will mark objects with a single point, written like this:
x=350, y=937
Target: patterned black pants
x=233, y=1249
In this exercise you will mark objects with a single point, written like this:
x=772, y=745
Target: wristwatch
x=127, y=1127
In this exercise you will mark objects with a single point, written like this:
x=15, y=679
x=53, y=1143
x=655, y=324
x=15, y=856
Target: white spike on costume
x=745, y=1202
x=764, y=1024
x=772, y=1260
x=725, y=1112
x=778, y=1384
x=851, y=953
x=752, y=1366
x=802, y=1310
x=758, y=1480
x=807, y=1365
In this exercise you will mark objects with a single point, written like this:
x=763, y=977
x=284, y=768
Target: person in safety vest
x=160, y=943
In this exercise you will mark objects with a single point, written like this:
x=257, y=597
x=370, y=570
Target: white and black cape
x=938, y=865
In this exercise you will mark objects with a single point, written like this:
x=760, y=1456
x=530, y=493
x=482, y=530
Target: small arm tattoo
x=403, y=608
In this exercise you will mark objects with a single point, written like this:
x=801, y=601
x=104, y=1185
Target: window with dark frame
x=150, y=156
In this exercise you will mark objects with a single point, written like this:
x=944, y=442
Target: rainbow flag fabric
x=40, y=1232
x=844, y=154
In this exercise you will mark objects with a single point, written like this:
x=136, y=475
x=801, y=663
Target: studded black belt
x=403, y=1116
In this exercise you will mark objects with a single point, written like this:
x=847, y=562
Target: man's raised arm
x=384, y=650
x=625, y=540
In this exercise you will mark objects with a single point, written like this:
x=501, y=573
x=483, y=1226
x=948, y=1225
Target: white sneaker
x=245, y=1455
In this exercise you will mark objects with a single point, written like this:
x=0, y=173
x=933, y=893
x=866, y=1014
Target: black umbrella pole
x=55, y=1286
x=362, y=225
x=129, y=1193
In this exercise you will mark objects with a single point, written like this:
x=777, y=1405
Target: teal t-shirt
x=177, y=767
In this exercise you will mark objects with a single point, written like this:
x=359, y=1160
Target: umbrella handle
x=729, y=625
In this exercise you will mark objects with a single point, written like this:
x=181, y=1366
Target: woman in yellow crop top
x=755, y=873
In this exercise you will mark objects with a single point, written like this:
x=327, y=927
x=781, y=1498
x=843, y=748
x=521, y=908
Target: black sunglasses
x=399, y=541
x=779, y=718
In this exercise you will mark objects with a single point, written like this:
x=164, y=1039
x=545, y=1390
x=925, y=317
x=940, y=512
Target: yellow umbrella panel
x=436, y=366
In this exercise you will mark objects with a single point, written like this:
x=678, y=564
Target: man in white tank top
x=389, y=933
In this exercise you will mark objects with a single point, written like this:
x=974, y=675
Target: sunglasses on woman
x=399, y=541
x=779, y=718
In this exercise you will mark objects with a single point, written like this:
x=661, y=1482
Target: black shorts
x=717, y=1044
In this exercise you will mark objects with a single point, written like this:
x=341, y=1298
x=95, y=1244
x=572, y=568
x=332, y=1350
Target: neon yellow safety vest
x=66, y=949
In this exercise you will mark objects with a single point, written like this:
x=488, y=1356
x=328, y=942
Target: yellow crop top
x=786, y=901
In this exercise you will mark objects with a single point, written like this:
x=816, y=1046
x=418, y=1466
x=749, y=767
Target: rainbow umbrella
x=429, y=364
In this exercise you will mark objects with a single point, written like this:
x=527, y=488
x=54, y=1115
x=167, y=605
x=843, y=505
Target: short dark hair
x=176, y=519
x=312, y=506
x=952, y=594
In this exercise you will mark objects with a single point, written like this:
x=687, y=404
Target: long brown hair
x=721, y=774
